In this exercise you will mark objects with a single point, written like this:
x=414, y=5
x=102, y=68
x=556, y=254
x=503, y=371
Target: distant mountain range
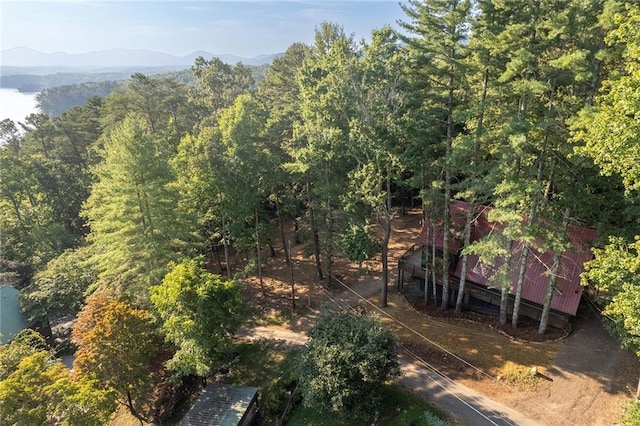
x=116, y=58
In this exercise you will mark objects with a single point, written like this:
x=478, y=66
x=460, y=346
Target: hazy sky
x=243, y=28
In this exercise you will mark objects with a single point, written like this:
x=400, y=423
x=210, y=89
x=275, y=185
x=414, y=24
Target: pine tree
x=437, y=52
x=131, y=211
x=323, y=133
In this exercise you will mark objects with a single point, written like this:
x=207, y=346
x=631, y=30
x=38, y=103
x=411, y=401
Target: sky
x=242, y=28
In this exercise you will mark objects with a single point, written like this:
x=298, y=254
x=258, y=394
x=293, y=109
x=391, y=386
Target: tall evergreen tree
x=217, y=86
x=324, y=132
x=442, y=28
x=131, y=210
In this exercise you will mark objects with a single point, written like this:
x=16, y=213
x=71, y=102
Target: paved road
x=466, y=406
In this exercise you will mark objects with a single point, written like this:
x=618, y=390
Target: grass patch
x=399, y=407
x=257, y=364
x=519, y=376
x=631, y=414
x=272, y=370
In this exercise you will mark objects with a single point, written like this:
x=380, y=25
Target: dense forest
x=112, y=209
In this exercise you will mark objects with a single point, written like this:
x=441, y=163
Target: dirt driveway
x=592, y=378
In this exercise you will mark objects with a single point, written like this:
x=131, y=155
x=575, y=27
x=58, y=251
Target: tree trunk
x=505, y=286
x=433, y=266
x=465, y=258
x=225, y=244
x=553, y=279
x=285, y=247
x=216, y=253
x=132, y=409
x=425, y=265
x=16, y=209
x=296, y=228
x=314, y=231
x=293, y=283
x=470, y=210
x=258, y=258
x=329, y=222
x=447, y=198
x=504, y=304
x=385, y=262
x=385, y=241
x=522, y=269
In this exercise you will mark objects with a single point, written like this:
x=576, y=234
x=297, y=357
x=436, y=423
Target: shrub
x=357, y=242
x=346, y=362
x=523, y=378
x=631, y=414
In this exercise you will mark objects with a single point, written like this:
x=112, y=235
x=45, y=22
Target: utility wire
x=439, y=378
x=417, y=333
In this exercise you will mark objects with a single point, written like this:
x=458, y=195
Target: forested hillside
x=114, y=207
x=60, y=92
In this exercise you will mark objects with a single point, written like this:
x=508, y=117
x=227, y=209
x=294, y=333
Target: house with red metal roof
x=479, y=275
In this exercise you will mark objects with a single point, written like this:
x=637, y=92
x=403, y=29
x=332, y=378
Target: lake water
x=16, y=105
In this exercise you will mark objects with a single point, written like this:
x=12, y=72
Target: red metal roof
x=457, y=212
x=568, y=290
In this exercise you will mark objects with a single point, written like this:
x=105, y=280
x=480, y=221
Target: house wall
x=568, y=291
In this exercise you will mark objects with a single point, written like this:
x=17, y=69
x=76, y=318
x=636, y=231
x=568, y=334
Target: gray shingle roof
x=221, y=404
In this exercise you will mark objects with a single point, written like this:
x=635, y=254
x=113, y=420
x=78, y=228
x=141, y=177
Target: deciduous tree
x=117, y=345
x=62, y=286
x=35, y=388
x=199, y=312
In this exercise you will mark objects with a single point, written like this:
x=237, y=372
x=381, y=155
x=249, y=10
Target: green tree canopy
x=199, y=312
x=61, y=287
x=609, y=132
x=346, y=361
x=132, y=211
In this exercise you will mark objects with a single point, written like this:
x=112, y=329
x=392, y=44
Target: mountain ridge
x=118, y=57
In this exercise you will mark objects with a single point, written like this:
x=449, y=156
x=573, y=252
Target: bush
x=345, y=364
x=357, y=242
x=277, y=396
x=523, y=378
x=631, y=414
